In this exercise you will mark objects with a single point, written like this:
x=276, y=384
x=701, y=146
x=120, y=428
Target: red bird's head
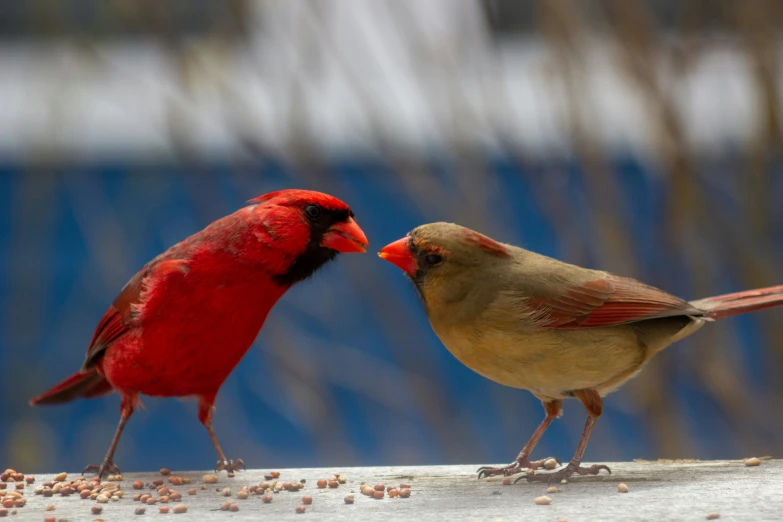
x=311, y=227
x=439, y=257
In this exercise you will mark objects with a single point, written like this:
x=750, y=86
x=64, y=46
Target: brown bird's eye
x=313, y=212
x=433, y=259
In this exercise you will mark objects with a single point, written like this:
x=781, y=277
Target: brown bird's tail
x=79, y=385
x=728, y=305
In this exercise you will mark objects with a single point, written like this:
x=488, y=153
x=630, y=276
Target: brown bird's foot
x=566, y=472
x=515, y=467
x=106, y=468
x=230, y=466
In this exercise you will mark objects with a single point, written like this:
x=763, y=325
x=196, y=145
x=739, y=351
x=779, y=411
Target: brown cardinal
x=186, y=319
x=555, y=329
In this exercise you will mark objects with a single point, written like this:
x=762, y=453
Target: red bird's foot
x=107, y=467
x=573, y=467
x=230, y=465
x=513, y=468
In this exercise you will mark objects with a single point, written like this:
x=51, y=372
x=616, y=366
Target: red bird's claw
x=565, y=473
x=230, y=466
x=106, y=468
x=513, y=468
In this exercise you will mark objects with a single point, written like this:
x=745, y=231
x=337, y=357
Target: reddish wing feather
x=607, y=302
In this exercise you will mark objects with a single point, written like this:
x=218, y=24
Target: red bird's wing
x=122, y=313
x=607, y=302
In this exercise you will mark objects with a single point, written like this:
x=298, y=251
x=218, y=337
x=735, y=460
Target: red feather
x=607, y=302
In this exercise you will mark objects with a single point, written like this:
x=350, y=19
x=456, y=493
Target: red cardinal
x=557, y=330
x=184, y=321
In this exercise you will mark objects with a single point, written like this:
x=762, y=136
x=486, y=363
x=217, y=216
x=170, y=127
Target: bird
x=185, y=320
x=558, y=330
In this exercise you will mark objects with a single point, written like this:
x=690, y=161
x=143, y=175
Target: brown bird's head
x=309, y=228
x=445, y=260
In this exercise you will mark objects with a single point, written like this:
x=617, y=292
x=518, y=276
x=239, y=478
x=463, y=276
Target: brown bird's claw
x=513, y=468
x=230, y=465
x=573, y=467
x=107, y=467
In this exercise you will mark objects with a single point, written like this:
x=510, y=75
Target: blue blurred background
x=640, y=137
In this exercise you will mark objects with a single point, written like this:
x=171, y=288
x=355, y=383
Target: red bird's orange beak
x=399, y=253
x=345, y=237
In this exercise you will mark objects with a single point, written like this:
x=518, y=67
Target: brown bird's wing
x=121, y=315
x=606, y=302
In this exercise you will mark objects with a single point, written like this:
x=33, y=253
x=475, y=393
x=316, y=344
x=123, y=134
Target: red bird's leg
x=108, y=466
x=592, y=402
x=206, y=406
x=553, y=410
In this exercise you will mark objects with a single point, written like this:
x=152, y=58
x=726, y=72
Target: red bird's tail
x=79, y=385
x=741, y=302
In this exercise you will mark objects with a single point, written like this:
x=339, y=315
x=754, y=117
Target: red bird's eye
x=313, y=212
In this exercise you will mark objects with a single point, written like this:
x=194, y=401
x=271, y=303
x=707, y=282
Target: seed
x=111, y=478
x=393, y=493
x=13, y=494
x=622, y=488
x=405, y=493
x=186, y=480
x=543, y=501
x=3, y=512
x=307, y=500
x=562, y=519
x=367, y=490
x=20, y=502
x=175, y=495
x=225, y=505
x=267, y=498
x=754, y=461
x=56, y=488
x=30, y=479
x=151, y=501
x=551, y=489
x=226, y=492
x=275, y=474
x=66, y=491
x=85, y=493
x=118, y=477
x=333, y=484
x=140, y=511
x=348, y=499
x=210, y=479
x=138, y=484
x=165, y=471
x=96, y=509
x=507, y=481
x=268, y=476
x=144, y=498
x=192, y=491
x=378, y=494
x=230, y=474
x=321, y=483
x=163, y=509
x=50, y=518
x=300, y=508
x=163, y=490
x=564, y=481
x=233, y=507
x=180, y=508
x=242, y=495
x=286, y=485
x=50, y=507
x=713, y=516
x=263, y=486
x=158, y=482
x=136, y=497
x=60, y=476
x=550, y=464
x=175, y=480
x=404, y=486
x=164, y=499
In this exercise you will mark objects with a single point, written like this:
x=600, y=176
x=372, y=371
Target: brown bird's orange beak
x=399, y=253
x=345, y=237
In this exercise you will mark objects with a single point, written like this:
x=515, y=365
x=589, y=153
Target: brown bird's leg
x=592, y=402
x=206, y=406
x=553, y=410
x=108, y=466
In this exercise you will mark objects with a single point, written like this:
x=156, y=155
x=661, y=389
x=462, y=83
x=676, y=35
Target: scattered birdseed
x=275, y=474
x=144, y=498
x=367, y=490
x=333, y=484
x=713, y=516
x=551, y=489
x=96, y=509
x=175, y=480
x=268, y=476
x=348, y=499
x=60, y=476
x=561, y=519
x=140, y=511
x=321, y=483
x=47, y=492
x=111, y=478
x=192, y=491
x=180, y=508
x=163, y=490
x=66, y=491
x=378, y=494
x=225, y=506
x=50, y=507
x=165, y=471
x=175, y=495
x=564, y=481
x=50, y=518
x=242, y=494
x=405, y=486
x=210, y=479
x=300, y=508
x=159, y=482
x=20, y=502
x=57, y=487
x=393, y=493
x=164, y=499
x=233, y=507
x=138, y=484
x=379, y=487
x=102, y=499
x=507, y=481
x=30, y=479
x=543, y=501
x=753, y=461
x=550, y=464
x=622, y=488
x=307, y=500
x=135, y=497
x=151, y=501
x=3, y=512
x=267, y=498
x=405, y=493
x=163, y=509
x=226, y=492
